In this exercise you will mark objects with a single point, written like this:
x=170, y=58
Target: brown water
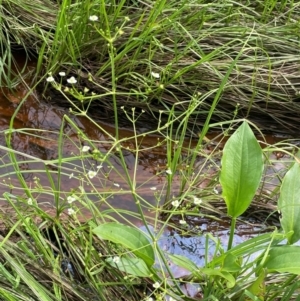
x=36, y=133
x=37, y=127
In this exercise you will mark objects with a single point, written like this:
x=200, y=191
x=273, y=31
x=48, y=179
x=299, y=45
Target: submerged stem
x=232, y=228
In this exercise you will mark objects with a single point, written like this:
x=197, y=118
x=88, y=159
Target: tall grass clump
x=187, y=48
x=24, y=25
x=65, y=235
x=189, y=45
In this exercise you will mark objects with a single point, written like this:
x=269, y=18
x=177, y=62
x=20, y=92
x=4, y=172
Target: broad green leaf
x=133, y=266
x=215, y=272
x=183, y=262
x=284, y=259
x=131, y=238
x=199, y=272
x=232, y=263
x=258, y=288
x=242, y=167
x=289, y=203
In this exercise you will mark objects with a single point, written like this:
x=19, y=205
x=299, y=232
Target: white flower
x=156, y=285
x=72, y=80
x=71, y=176
x=91, y=174
x=85, y=149
x=152, y=188
x=71, y=199
x=29, y=201
x=155, y=75
x=116, y=184
x=169, y=171
x=149, y=299
x=99, y=166
x=171, y=299
x=175, y=203
x=197, y=201
x=93, y=18
x=216, y=191
x=116, y=259
x=182, y=222
x=50, y=79
x=71, y=211
x=85, y=90
x=62, y=73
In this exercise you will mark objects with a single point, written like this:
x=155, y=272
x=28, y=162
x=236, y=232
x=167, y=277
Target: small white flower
x=149, y=299
x=116, y=259
x=182, y=222
x=116, y=184
x=93, y=18
x=169, y=171
x=152, y=188
x=155, y=74
x=171, y=299
x=85, y=90
x=175, y=203
x=99, y=166
x=29, y=201
x=62, y=73
x=71, y=199
x=50, y=79
x=197, y=201
x=127, y=19
x=91, y=174
x=72, y=80
x=71, y=176
x=156, y=285
x=71, y=211
x=85, y=149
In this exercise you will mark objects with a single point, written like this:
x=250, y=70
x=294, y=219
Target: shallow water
x=36, y=134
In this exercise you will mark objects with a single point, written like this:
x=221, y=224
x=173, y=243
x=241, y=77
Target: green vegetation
x=190, y=45
x=188, y=65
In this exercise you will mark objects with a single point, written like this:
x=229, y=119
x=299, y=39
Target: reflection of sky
x=193, y=246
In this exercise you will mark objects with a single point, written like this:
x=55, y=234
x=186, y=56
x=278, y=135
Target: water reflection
x=36, y=134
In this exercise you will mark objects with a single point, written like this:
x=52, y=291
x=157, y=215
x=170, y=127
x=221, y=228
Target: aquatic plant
x=81, y=239
x=69, y=242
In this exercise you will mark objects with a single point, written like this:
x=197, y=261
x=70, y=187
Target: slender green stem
x=232, y=229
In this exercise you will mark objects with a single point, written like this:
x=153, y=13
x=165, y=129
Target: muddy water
x=41, y=132
x=37, y=127
x=36, y=134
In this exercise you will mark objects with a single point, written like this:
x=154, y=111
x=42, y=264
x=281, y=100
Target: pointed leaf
x=242, y=167
x=289, y=203
x=232, y=263
x=258, y=288
x=183, y=262
x=284, y=259
x=133, y=266
x=215, y=272
x=198, y=272
x=130, y=238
